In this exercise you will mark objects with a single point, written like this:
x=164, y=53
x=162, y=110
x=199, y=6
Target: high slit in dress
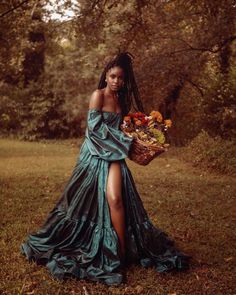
x=78, y=239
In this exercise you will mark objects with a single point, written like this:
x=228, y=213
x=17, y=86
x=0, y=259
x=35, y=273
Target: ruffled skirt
x=78, y=239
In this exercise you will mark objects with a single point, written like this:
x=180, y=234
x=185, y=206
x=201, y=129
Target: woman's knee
x=115, y=201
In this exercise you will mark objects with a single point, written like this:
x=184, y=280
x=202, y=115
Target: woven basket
x=143, y=153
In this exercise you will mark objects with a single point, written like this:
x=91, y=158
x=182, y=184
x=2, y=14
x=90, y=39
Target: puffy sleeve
x=104, y=141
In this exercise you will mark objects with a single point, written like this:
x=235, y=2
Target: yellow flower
x=160, y=137
x=168, y=123
x=156, y=115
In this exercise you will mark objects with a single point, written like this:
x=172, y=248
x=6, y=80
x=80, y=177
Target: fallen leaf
x=139, y=289
x=85, y=291
x=228, y=258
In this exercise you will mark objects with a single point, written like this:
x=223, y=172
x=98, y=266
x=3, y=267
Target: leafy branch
x=14, y=8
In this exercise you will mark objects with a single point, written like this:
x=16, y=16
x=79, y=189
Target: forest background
x=52, y=53
x=184, y=64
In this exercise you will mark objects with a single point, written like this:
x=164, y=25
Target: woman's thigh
x=114, y=183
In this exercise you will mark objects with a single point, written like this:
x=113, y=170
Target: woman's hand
x=127, y=134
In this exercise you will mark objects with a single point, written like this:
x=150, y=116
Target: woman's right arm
x=96, y=100
x=102, y=140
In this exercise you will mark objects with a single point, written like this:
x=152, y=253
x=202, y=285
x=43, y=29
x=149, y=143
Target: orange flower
x=127, y=119
x=156, y=115
x=168, y=123
x=138, y=122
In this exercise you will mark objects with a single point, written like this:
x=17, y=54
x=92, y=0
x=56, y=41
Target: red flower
x=144, y=120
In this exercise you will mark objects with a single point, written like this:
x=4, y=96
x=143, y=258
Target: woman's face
x=115, y=78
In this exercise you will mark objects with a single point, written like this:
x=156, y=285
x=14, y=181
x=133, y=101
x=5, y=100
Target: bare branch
x=195, y=86
x=14, y=8
x=34, y=7
x=213, y=49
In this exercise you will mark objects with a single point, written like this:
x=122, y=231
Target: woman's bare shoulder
x=96, y=99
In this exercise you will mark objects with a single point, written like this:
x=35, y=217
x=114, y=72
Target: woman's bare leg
x=114, y=197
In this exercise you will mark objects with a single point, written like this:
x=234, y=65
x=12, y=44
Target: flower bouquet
x=149, y=135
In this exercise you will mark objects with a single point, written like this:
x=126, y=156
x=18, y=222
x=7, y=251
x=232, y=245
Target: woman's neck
x=110, y=92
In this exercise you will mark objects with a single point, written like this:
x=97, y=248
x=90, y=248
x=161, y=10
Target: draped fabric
x=78, y=239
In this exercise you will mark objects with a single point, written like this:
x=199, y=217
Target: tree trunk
x=33, y=63
x=168, y=107
x=225, y=54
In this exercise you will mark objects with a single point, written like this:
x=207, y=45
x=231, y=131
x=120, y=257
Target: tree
x=33, y=64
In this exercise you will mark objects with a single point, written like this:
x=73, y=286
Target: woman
x=99, y=224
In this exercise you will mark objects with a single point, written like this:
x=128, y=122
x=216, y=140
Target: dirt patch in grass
x=193, y=206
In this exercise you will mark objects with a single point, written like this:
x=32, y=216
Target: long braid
x=129, y=94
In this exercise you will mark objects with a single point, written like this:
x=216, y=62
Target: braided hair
x=128, y=95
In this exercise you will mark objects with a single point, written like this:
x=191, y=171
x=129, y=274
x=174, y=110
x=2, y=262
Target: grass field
x=193, y=206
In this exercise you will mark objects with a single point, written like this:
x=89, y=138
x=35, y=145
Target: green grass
x=193, y=206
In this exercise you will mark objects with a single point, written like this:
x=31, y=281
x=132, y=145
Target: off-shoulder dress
x=78, y=239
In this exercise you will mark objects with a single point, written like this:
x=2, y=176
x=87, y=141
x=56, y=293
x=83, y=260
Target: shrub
x=219, y=106
x=36, y=112
x=213, y=153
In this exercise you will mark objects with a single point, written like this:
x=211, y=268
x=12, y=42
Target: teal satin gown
x=77, y=238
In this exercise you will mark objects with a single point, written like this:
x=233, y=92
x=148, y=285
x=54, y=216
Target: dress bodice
x=112, y=118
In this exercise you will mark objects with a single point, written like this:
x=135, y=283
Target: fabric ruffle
x=79, y=248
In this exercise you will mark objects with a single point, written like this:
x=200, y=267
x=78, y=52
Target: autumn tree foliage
x=183, y=62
